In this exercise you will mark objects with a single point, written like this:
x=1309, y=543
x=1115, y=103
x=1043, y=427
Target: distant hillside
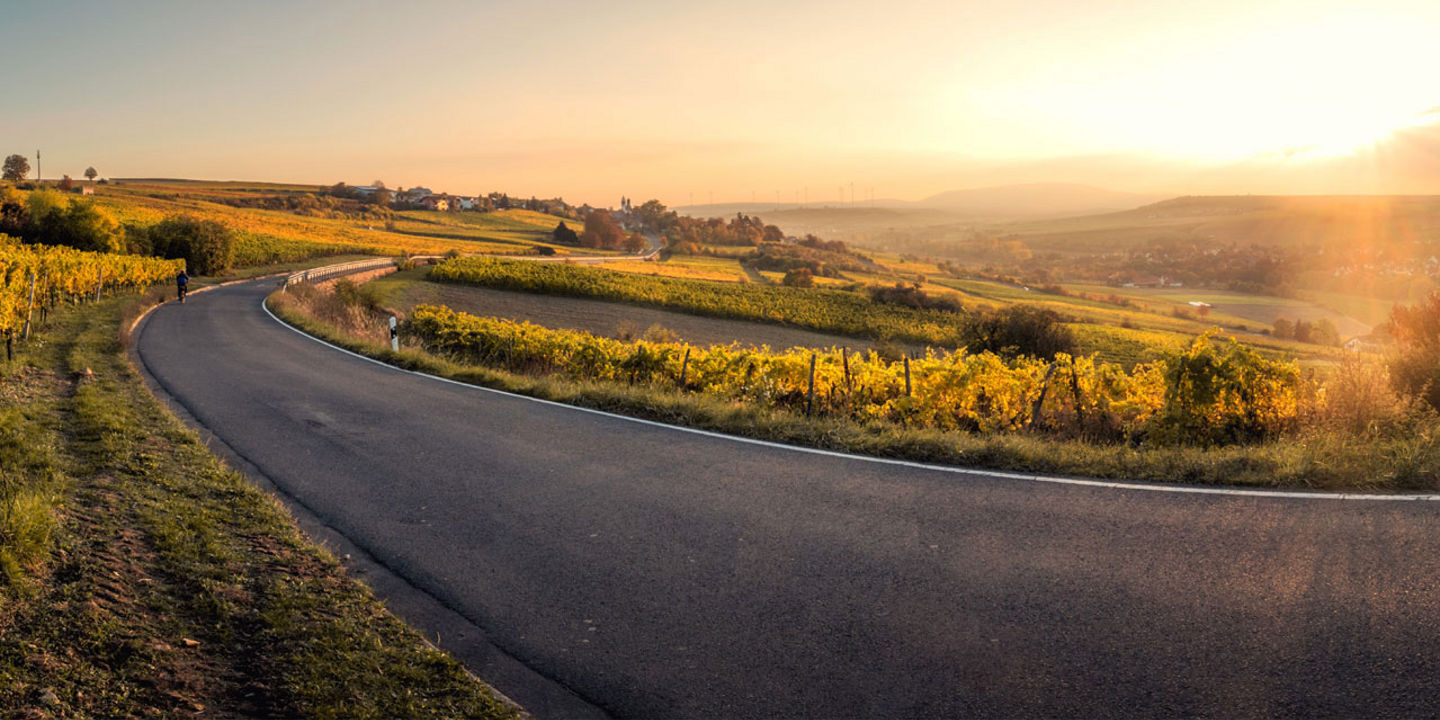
x=1379, y=222
x=971, y=207
x=1035, y=200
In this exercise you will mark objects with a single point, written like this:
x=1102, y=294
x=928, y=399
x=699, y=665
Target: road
x=660, y=573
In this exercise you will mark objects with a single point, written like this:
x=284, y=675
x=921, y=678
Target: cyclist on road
x=182, y=283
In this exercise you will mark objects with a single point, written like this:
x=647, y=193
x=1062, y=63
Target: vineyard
x=1214, y=392
x=265, y=236
x=825, y=310
x=60, y=273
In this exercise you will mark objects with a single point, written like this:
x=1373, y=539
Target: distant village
x=423, y=197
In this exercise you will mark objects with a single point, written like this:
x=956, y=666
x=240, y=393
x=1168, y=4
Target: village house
x=415, y=194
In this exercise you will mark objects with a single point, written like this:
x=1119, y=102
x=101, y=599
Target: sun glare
x=1329, y=88
x=1343, y=133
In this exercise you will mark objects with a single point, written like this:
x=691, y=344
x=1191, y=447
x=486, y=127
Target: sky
x=695, y=102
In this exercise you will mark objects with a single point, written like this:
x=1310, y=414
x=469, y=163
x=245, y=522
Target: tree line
x=48, y=217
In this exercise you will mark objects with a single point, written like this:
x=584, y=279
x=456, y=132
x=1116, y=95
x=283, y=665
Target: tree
x=799, y=277
x=563, y=235
x=14, y=212
x=206, y=246
x=50, y=218
x=601, y=231
x=43, y=203
x=90, y=173
x=66, y=184
x=1324, y=332
x=654, y=217
x=83, y=227
x=381, y=196
x=1284, y=329
x=635, y=243
x=16, y=168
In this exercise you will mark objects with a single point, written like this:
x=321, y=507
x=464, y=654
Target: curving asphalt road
x=653, y=572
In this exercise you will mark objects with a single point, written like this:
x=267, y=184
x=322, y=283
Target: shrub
x=206, y=246
x=1359, y=398
x=82, y=226
x=799, y=277
x=14, y=212
x=563, y=235
x=911, y=296
x=1019, y=330
x=1415, y=368
x=1225, y=394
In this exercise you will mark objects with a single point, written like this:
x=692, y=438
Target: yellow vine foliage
x=62, y=272
x=1244, y=397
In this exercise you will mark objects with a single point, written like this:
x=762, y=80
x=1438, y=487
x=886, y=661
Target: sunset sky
x=729, y=100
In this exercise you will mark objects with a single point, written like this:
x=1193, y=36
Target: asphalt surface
x=658, y=573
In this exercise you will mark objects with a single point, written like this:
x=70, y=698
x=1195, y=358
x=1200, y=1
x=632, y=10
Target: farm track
x=655, y=572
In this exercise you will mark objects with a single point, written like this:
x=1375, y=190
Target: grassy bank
x=142, y=577
x=1396, y=452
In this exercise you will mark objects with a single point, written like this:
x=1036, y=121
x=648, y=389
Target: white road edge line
x=1053, y=479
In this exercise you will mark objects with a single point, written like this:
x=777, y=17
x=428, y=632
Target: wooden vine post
x=31, y=307
x=810, y=394
x=1039, y=401
x=99, y=282
x=1075, y=392
x=907, y=376
x=684, y=366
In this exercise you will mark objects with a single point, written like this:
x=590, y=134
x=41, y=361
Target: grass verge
x=1319, y=458
x=144, y=578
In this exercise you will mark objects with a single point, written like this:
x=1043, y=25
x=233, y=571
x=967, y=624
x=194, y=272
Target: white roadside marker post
x=394, y=335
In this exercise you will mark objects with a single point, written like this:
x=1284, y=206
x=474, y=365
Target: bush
x=563, y=235
x=799, y=277
x=1019, y=330
x=206, y=246
x=83, y=227
x=911, y=296
x=1223, y=395
x=55, y=220
x=1415, y=368
x=14, y=212
x=1358, y=398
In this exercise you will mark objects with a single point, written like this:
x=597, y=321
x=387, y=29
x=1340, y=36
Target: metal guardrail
x=329, y=272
